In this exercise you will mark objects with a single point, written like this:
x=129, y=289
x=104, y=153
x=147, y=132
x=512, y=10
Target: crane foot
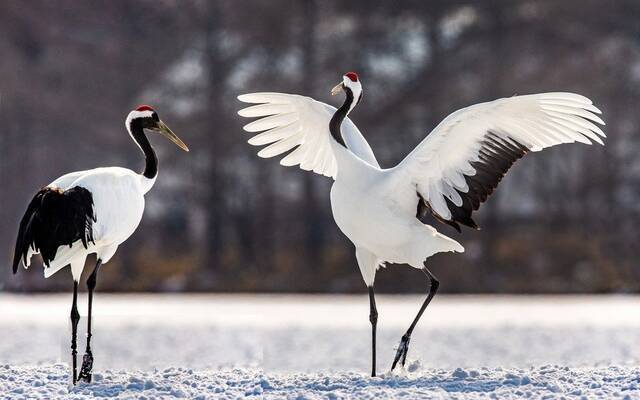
x=87, y=366
x=401, y=352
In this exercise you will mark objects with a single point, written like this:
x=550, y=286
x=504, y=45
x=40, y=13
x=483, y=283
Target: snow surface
x=229, y=346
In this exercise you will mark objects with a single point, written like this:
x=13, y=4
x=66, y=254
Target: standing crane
x=86, y=212
x=448, y=175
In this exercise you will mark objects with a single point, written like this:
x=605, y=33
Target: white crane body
x=118, y=205
x=378, y=219
x=86, y=212
x=448, y=175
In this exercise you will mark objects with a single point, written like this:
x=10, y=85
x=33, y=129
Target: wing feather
x=457, y=167
x=54, y=218
x=275, y=134
x=300, y=125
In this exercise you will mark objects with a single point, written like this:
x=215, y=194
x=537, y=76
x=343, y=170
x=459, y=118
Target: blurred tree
x=224, y=220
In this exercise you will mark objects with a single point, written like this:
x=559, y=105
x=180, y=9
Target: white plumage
x=438, y=164
x=118, y=197
x=88, y=212
x=452, y=171
x=376, y=207
x=289, y=120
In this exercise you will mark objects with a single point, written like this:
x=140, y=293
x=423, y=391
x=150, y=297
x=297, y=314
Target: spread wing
x=292, y=122
x=456, y=167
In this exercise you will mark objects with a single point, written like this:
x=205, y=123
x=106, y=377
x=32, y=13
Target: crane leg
x=75, y=318
x=373, y=318
x=403, y=347
x=87, y=360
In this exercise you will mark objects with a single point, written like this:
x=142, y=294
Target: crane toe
x=401, y=351
x=87, y=366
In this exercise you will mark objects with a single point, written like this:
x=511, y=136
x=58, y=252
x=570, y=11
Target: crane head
x=148, y=119
x=350, y=83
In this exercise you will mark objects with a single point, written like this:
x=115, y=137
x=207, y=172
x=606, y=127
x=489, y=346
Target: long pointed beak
x=164, y=130
x=337, y=89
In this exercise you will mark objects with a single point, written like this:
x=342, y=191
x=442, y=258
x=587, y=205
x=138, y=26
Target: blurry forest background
x=221, y=219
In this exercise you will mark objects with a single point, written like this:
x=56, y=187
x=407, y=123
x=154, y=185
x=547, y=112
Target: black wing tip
x=19, y=253
x=17, y=258
x=453, y=224
x=496, y=156
x=71, y=210
x=470, y=223
x=424, y=208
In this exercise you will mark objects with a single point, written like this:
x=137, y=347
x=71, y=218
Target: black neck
x=338, y=117
x=151, y=161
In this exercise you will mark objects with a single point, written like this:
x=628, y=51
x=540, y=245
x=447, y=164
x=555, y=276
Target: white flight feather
x=376, y=207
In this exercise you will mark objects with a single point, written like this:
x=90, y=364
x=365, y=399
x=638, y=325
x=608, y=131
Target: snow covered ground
x=225, y=346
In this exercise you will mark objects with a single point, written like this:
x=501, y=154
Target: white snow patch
x=225, y=346
x=548, y=381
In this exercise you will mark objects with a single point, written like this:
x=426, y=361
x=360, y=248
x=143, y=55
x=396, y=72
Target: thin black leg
x=403, y=348
x=75, y=318
x=87, y=360
x=373, y=317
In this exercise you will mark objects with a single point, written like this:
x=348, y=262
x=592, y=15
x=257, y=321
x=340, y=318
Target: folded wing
x=54, y=218
x=291, y=122
x=459, y=164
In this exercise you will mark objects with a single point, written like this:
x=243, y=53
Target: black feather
x=496, y=156
x=424, y=209
x=55, y=218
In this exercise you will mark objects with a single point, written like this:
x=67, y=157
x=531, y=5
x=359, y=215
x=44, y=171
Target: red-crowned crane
x=449, y=174
x=88, y=212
